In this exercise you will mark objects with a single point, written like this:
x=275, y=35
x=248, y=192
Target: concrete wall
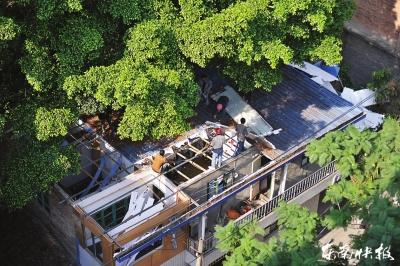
x=372, y=39
x=380, y=20
x=60, y=221
x=312, y=204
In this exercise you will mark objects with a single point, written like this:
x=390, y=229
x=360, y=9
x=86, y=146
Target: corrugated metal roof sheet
x=302, y=108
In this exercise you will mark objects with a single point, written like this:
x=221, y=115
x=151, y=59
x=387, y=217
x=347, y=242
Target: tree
x=259, y=36
x=369, y=164
x=153, y=84
x=66, y=58
x=296, y=244
x=35, y=159
x=8, y=29
x=387, y=91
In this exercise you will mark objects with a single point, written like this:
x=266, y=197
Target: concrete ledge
x=388, y=45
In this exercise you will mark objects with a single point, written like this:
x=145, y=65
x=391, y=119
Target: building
x=117, y=211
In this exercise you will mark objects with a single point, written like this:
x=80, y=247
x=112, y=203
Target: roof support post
x=272, y=186
x=283, y=179
x=202, y=236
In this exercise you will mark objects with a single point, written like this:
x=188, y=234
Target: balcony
x=261, y=212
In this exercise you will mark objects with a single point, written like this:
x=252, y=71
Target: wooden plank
x=89, y=222
x=108, y=251
x=151, y=223
x=166, y=251
x=192, y=163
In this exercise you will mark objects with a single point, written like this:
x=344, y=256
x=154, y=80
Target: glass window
x=112, y=215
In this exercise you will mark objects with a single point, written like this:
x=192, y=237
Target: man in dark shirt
x=205, y=88
x=241, y=133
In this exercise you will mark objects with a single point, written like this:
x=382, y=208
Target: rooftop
x=302, y=108
x=299, y=106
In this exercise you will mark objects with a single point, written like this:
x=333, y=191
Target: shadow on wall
x=372, y=41
x=379, y=17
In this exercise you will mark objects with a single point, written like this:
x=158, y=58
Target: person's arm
x=211, y=144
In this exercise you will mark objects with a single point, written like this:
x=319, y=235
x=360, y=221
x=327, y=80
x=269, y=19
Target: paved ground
x=341, y=237
x=363, y=58
x=24, y=241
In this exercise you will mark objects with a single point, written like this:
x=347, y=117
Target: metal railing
x=262, y=211
x=208, y=244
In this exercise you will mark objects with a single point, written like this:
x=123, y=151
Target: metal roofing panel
x=302, y=108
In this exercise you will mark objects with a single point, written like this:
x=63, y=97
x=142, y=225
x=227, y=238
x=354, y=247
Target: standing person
x=241, y=133
x=160, y=163
x=205, y=88
x=217, y=144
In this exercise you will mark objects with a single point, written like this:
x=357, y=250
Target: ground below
x=25, y=241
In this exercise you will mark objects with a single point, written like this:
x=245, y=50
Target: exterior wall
x=380, y=19
x=312, y=204
x=61, y=221
x=178, y=260
x=166, y=252
x=372, y=39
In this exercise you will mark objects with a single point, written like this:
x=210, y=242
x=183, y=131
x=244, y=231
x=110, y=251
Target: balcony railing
x=208, y=244
x=262, y=211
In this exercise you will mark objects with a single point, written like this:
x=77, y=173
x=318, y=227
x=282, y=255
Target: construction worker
x=160, y=163
x=241, y=133
x=217, y=144
x=221, y=104
x=206, y=85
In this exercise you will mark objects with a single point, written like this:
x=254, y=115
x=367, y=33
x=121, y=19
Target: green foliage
x=152, y=83
x=297, y=225
x=338, y=218
x=33, y=168
x=383, y=228
x=243, y=246
x=369, y=163
x=8, y=29
x=2, y=124
x=387, y=91
x=296, y=244
x=52, y=122
x=380, y=78
x=263, y=35
x=138, y=57
x=37, y=66
x=47, y=9
x=127, y=10
x=329, y=49
x=80, y=41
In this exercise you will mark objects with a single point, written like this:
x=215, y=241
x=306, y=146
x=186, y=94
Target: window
x=158, y=194
x=304, y=160
x=94, y=246
x=112, y=215
x=43, y=199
